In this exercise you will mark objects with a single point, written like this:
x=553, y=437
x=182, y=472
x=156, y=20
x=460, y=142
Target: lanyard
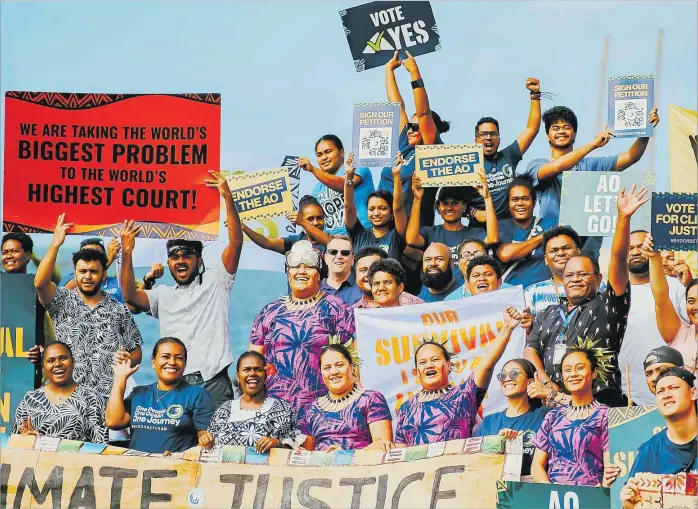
x=566, y=319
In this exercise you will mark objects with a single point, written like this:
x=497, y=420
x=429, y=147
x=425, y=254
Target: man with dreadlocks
x=196, y=309
x=442, y=411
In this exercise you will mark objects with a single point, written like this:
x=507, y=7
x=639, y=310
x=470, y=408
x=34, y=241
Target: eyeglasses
x=413, y=126
x=494, y=135
x=569, y=276
x=307, y=258
x=467, y=255
x=333, y=252
x=512, y=375
x=184, y=250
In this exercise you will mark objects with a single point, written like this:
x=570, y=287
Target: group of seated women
x=563, y=443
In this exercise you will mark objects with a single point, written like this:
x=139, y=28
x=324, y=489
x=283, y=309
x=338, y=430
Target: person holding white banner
x=442, y=411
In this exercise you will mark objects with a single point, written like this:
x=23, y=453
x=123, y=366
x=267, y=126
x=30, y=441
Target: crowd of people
x=377, y=246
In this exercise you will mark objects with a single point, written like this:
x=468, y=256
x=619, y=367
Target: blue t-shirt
x=439, y=234
x=500, y=171
x=408, y=166
x=463, y=291
x=427, y=296
x=168, y=421
x=532, y=268
x=332, y=202
x=528, y=423
x=391, y=242
x=109, y=286
x=659, y=455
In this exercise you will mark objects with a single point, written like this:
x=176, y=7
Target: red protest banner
x=104, y=158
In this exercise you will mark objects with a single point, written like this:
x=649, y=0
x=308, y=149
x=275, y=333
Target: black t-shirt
x=500, y=171
x=391, y=243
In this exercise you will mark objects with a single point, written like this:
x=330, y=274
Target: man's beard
x=642, y=268
x=91, y=293
x=437, y=281
x=186, y=282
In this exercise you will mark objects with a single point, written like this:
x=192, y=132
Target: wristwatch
x=418, y=83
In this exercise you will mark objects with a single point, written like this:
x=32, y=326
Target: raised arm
x=533, y=125
x=45, y=288
x=517, y=250
x=427, y=127
x=568, y=161
x=668, y=321
x=312, y=231
x=392, y=90
x=231, y=253
x=334, y=182
x=483, y=371
x=55, y=275
x=618, y=275
x=262, y=241
x=398, y=202
x=116, y=416
x=350, y=217
x=492, y=236
x=412, y=236
x=637, y=149
x=132, y=294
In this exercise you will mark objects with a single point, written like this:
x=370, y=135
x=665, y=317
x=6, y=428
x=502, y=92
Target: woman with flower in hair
x=573, y=440
x=443, y=411
x=291, y=331
x=348, y=416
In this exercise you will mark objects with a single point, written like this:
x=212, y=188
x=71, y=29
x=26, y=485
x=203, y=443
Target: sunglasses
x=413, y=126
x=333, y=252
x=307, y=258
x=184, y=250
x=512, y=375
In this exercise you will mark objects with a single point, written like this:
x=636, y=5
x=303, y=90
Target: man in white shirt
x=642, y=334
x=196, y=309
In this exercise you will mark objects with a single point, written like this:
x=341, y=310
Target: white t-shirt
x=642, y=335
x=198, y=315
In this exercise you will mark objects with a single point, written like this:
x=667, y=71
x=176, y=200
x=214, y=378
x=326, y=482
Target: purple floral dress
x=575, y=448
x=449, y=417
x=292, y=340
x=347, y=427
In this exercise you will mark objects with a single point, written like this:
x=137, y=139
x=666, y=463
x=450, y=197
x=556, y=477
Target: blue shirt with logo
x=168, y=421
x=528, y=422
x=332, y=202
x=659, y=455
x=532, y=268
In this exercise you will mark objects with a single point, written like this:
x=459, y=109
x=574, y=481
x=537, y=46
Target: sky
x=286, y=74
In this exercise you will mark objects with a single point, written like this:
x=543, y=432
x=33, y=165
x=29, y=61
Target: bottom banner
x=522, y=495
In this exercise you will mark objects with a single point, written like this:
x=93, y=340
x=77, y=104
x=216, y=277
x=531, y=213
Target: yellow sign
x=261, y=194
x=449, y=165
x=683, y=150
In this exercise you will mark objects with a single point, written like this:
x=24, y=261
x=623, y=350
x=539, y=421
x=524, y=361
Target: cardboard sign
x=17, y=336
x=683, y=149
x=449, y=165
x=630, y=100
x=261, y=194
x=675, y=221
x=294, y=175
x=588, y=201
x=460, y=474
x=376, y=133
x=523, y=495
x=628, y=429
x=141, y=157
x=388, y=337
x=376, y=30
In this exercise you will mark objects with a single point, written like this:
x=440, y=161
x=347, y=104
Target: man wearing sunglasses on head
x=291, y=331
x=196, y=308
x=339, y=258
x=500, y=165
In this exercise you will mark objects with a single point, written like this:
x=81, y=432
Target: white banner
x=388, y=337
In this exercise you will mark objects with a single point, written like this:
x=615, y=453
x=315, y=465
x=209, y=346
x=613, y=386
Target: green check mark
x=376, y=46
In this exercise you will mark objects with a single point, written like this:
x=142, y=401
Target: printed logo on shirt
x=385, y=248
x=333, y=206
x=175, y=411
x=196, y=497
x=508, y=171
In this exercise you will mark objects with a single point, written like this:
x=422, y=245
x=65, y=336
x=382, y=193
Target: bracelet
x=535, y=96
x=551, y=397
x=349, y=182
x=418, y=83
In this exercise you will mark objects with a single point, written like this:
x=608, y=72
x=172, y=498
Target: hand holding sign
x=397, y=165
x=603, y=138
x=417, y=188
x=482, y=188
x=630, y=494
x=654, y=117
x=648, y=247
x=411, y=65
x=60, y=231
x=218, y=181
x=393, y=63
x=629, y=203
x=349, y=166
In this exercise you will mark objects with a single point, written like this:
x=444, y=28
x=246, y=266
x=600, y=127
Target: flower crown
x=602, y=355
x=350, y=345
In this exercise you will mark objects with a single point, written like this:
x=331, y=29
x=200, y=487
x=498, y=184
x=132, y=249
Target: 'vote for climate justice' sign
x=376, y=30
x=449, y=165
x=674, y=221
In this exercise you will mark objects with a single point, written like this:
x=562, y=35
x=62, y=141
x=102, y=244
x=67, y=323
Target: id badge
x=560, y=350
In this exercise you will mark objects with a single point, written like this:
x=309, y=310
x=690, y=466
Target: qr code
x=375, y=143
x=631, y=114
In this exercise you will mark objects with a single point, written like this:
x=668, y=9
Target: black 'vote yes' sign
x=377, y=29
